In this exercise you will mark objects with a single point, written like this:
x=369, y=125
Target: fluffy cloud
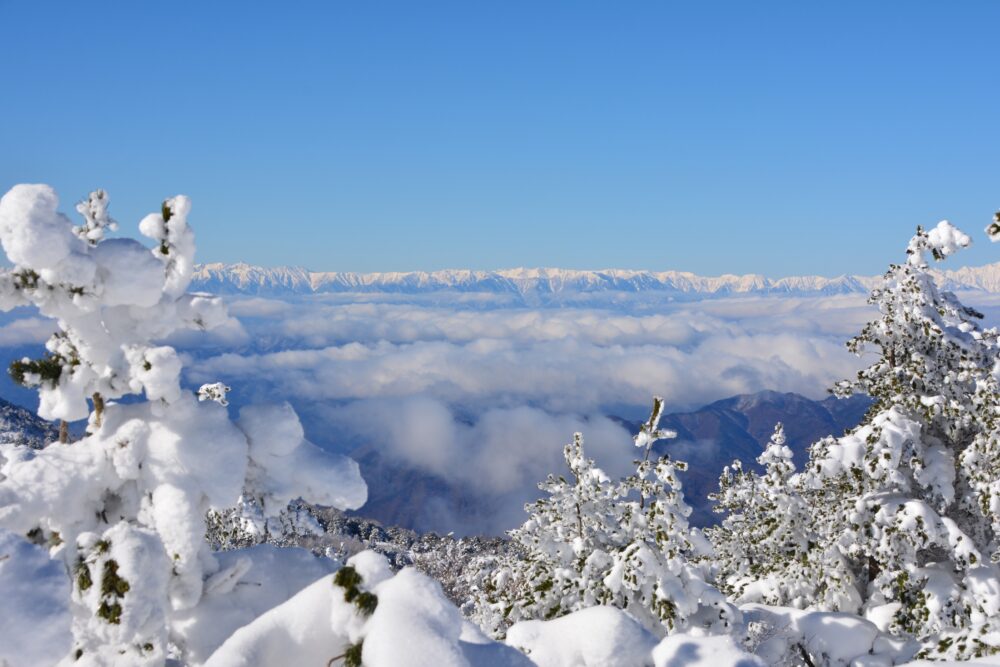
x=490, y=461
x=495, y=451
x=26, y=331
x=562, y=360
x=469, y=406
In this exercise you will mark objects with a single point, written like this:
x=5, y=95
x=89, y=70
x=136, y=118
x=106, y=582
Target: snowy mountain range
x=530, y=284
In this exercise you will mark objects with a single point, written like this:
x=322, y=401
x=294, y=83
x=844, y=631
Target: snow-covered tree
x=124, y=507
x=908, y=498
x=567, y=541
x=765, y=548
x=592, y=541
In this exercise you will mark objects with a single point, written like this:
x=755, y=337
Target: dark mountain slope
x=738, y=428
x=22, y=426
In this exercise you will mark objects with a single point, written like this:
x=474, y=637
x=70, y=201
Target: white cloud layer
x=484, y=396
x=562, y=360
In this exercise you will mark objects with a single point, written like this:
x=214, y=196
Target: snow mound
x=834, y=639
x=34, y=610
x=594, y=637
x=719, y=651
x=412, y=624
x=295, y=632
x=248, y=583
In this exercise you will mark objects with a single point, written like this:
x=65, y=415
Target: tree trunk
x=873, y=569
x=63, y=431
x=98, y=409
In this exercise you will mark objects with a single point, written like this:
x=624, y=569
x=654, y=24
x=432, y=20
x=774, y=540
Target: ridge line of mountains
x=248, y=279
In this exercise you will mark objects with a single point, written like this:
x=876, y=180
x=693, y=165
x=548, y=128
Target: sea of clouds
x=479, y=395
x=563, y=360
x=484, y=396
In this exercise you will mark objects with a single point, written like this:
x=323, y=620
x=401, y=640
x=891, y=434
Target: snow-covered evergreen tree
x=765, y=548
x=567, y=541
x=908, y=498
x=592, y=541
x=245, y=525
x=124, y=507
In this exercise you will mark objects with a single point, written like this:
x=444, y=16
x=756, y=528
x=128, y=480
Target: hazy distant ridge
x=281, y=281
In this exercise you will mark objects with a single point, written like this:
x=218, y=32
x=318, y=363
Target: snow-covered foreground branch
x=123, y=509
x=881, y=550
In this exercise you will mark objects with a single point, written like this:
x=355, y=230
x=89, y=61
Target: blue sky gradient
x=771, y=137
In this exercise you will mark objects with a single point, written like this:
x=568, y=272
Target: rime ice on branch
x=124, y=508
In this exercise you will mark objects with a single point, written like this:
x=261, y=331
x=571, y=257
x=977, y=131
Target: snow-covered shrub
x=245, y=525
x=789, y=637
x=124, y=507
x=592, y=541
x=765, y=547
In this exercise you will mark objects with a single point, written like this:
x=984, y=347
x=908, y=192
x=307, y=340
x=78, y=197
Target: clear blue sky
x=772, y=137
